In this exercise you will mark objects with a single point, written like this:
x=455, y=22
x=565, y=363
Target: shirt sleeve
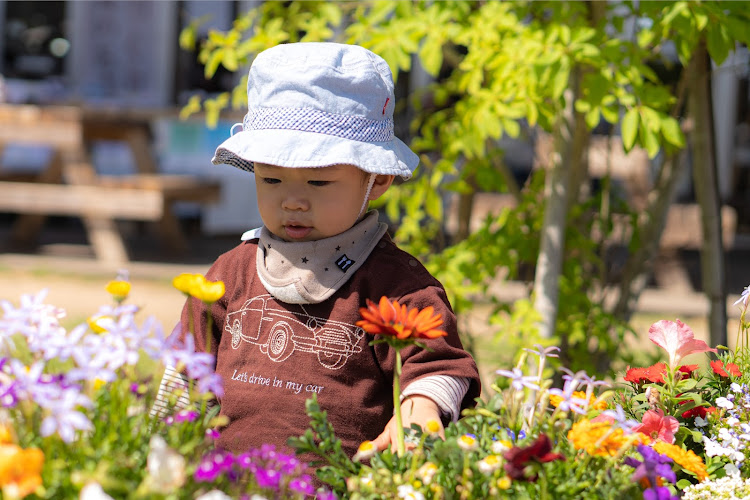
x=446, y=391
x=172, y=394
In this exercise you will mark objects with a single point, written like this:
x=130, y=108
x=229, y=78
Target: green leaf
x=431, y=55
x=187, y=38
x=670, y=129
x=213, y=63
x=649, y=141
x=629, y=128
x=718, y=43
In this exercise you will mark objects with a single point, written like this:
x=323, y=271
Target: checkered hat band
x=356, y=128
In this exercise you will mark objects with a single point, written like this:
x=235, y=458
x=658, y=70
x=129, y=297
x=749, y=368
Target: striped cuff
x=445, y=390
x=173, y=394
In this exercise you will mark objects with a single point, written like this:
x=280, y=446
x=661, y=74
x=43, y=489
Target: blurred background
x=114, y=73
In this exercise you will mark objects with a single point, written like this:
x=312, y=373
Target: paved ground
x=63, y=263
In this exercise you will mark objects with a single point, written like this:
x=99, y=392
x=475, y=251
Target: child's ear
x=380, y=186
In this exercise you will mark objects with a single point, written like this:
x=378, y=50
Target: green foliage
x=503, y=69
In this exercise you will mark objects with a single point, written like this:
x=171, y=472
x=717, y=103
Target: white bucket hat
x=319, y=104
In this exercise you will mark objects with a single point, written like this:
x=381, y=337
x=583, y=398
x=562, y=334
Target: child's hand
x=414, y=410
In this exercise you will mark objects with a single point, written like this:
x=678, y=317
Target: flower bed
x=76, y=421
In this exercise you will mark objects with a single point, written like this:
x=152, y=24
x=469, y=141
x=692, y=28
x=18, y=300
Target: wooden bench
x=70, y=186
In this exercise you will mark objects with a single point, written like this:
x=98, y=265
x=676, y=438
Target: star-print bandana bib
x=308, y=272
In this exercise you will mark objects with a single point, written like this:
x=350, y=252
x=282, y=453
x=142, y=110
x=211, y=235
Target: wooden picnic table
x=70, y=185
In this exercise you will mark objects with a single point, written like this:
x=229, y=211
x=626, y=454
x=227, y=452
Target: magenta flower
x=677, y=339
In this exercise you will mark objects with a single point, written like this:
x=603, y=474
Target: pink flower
x=677, y=339
x=658, y=426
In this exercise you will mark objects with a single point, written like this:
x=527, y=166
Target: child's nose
x=295, y=201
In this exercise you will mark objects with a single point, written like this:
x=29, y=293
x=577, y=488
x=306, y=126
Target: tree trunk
x=707, y=194
x=565, y=173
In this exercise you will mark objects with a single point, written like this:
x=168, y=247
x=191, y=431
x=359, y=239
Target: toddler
x=318, y=136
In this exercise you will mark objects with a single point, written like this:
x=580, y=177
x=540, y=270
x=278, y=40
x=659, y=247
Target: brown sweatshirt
x=272, y=356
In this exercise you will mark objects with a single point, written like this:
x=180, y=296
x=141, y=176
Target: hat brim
x=300, y=149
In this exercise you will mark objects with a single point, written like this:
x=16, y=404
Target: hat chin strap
x=370, y=183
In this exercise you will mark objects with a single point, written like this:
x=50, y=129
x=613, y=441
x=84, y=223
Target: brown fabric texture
x=272, y=355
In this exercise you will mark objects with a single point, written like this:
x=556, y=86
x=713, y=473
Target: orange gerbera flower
x=396, y=320
x=684, y=458
x=599, y=438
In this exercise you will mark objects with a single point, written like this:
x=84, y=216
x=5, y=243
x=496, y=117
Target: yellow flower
x=196, y=285
x=489, y=464
x=427, y=472
x=555, y=400
x=598, y=438
x=467, y=442
x=433, y=427
x=684, y=458
x=366, y=450
x=100, y=323
x=503, y=483
x=7, y=434
x=185, y=282
x=20, y=470
x=208, y=291
x=118, y=289
x=501, y=445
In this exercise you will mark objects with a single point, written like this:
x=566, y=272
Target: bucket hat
x=316, y=104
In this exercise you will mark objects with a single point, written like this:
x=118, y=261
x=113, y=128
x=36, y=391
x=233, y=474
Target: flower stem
x=209, y=318
x=401, y=447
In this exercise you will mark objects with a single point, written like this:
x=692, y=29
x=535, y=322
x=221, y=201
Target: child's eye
x=319, y=183
x=270, y=180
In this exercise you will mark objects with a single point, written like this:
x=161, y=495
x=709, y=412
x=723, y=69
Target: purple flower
x=544, y=352
x=653, y=466
x=186, y=416
x=659, y=493
x=213, y=464
x=212, y=433
x=64, y=417
x=570, y=402
x=302, y=484
x=518, y=379
x=268, y=478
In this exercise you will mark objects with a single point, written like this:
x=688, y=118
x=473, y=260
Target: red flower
x=653, y=374
x=687, y=369
x=698, y=411
x=719, y=369
x=658, y=426
x=517, y=458
x=396, y=320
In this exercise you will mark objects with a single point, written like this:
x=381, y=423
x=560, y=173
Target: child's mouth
x=297, y=232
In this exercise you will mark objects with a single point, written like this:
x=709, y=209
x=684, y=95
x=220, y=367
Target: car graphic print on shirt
x=279, y=332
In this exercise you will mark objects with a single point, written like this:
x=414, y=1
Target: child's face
x=308, y=204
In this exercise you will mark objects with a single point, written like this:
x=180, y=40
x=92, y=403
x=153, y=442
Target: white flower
x=732, y=470
x=500, y=446
x=366, y=450
x=218, y=495
x=489, y=464
x=467, y=442
x=367, y=481
x=166, y=467
x=733, y=421
x=723, y=402
x=408, y=492
x=427, y=472
x=700, y=422
x=735, y=387
x=93, y=491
